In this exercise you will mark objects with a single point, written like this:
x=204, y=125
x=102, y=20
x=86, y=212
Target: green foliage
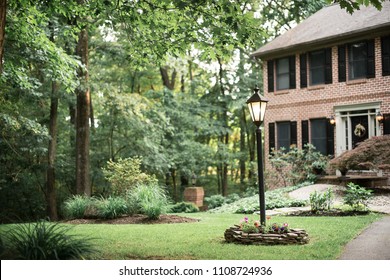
x=150, y=199
x=183, y=207
x=46, y=241
x=126, y=174
x=295, y=166
x=321, y=201
x=112, y=207
x=274, y=199
x=357, y=197
x=76, y=206
x=214, y=201
x=2, y=247
x=352, y=6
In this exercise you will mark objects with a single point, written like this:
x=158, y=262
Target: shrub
x=357, y=197
x=112, y=207
x=214, y=201
x=125, y=174
x=46, y=241
x=184, y=207
x=233, y=197
x=295, y=166
x=150, y=199
x=321, y=201
x=76, y=206
x=373, y=153
x=1, y=246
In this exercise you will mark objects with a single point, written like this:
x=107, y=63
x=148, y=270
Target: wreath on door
x=360, y=130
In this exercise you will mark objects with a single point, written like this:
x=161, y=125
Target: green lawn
x=204, y=240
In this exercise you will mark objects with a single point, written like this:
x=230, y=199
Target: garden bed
x=136, y=219
x=292, y=237
x=330, y=213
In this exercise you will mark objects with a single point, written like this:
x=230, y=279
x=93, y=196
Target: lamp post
x=257, y=107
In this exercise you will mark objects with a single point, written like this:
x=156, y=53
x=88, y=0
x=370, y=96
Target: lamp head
x=257, y=106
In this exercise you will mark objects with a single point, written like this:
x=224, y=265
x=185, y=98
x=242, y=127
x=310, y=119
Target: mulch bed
x=135, y=219
x=330, y=213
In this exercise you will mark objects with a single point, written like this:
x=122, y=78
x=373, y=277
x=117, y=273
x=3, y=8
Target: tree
x=3, y=13
x=353, y=5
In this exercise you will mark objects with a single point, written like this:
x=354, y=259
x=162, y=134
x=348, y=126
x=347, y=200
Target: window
x=320, y=67
x=357, y=58
x=322, y=136
x=361, y=60
x=282, y=74
x=317, y=67
x=286, y=135
x=318, y=135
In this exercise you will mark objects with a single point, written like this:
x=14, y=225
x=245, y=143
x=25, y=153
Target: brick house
x=334, y=66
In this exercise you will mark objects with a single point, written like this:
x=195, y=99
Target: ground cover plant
x=274, y=199
x=45, y=241
x=205, y=240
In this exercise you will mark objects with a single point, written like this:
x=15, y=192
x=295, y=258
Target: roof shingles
x=329, y=24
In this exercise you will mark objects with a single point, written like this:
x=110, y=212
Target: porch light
x=379, y=117
x=332, y=120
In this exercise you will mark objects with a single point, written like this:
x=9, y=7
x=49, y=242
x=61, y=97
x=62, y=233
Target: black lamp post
x=257, y=107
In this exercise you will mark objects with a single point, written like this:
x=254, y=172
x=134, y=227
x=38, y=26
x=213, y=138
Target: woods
x=93, y=81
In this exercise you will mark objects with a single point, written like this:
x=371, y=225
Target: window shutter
x=329, y=138
x=271, y=136
x=293, y=133
x=385, y=55
x=292, y=71
x=371, y=59
x=386, y=124
x=303, y=70
x=305, y=133
x=270, y=75
x=342, y=64
x=328, y=66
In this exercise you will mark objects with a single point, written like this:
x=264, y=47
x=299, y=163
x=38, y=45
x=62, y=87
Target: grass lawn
x=204, y=240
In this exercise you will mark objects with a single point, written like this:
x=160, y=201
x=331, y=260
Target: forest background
x=85, y=82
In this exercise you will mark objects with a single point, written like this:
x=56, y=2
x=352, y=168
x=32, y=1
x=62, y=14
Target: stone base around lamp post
x=293, y=236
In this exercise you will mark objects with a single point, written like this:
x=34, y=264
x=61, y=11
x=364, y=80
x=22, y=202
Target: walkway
x=371, y=244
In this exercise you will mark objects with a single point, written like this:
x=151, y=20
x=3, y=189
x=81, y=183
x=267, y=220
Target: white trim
x=343, y=114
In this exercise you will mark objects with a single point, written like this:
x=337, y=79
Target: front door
x=359, y=125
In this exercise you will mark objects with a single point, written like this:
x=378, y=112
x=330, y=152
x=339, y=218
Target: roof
x=328, y=25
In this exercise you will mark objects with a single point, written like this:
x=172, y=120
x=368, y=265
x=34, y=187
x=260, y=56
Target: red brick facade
x=324, y=101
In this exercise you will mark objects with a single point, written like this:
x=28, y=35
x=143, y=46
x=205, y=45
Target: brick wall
x=319, y=101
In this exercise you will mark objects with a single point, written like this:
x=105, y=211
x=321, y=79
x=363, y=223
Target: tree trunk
x=3, y=14
x=51, y=197
x=225, y=170
x=224, y=138
x=173, y=174
x=168, y=82
x=242, y=147
x=82, y=118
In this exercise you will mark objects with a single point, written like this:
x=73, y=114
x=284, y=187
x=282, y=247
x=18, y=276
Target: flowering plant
x=279, y=228
x=249, y=226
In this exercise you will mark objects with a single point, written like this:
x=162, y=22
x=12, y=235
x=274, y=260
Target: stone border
x=293, y=236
